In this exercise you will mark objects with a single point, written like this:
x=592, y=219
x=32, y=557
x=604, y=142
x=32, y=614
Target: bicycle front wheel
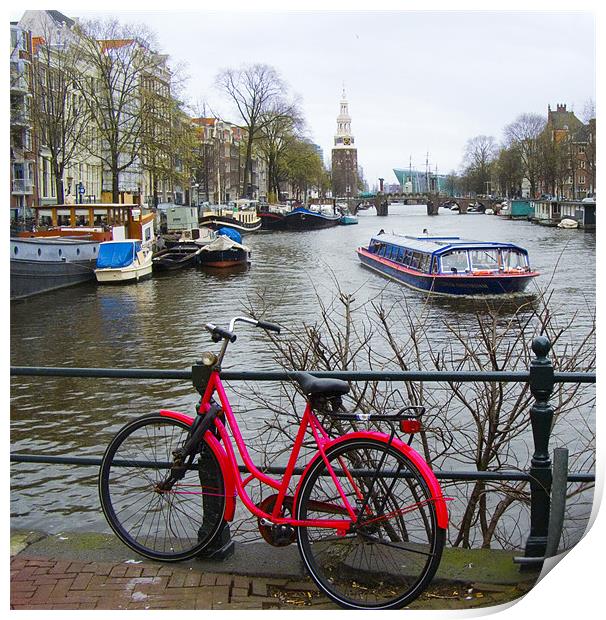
x=392, y=551
x=169, y=525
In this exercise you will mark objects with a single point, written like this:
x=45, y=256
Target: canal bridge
x=381, y=202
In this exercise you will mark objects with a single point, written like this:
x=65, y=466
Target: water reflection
x=159, y=323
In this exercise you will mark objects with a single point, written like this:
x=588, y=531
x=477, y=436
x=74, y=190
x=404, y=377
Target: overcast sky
x=416, y=82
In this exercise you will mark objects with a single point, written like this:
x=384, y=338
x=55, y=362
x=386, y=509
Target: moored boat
x=176, y=257
x=307, y=219
x=224, y=252
x=273, y=216
x=123, y=262
x=240, y=220
x=41, y=264
x=347, y=220
x=449, y=265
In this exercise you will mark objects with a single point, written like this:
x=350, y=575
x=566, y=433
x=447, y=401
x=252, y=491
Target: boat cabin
x=450, y=255
x=99, y=222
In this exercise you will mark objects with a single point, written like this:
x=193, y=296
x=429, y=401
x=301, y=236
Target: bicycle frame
x=234, y=483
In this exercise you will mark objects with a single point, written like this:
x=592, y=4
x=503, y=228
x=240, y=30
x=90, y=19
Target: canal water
x=159, y=324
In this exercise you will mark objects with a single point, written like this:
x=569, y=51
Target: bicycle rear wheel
x=162, y=525
x=393, y=550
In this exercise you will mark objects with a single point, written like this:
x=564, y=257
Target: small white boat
x=568, y=223
x=489, y=212
x=123, y=262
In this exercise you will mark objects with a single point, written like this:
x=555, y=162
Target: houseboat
x=308, y=219
x=273, y=216
x=41, y=264
x=449, y=265
x=123, y=262
x=241, y=219
x=62, y=249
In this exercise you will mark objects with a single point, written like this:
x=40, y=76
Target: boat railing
x=541, y=378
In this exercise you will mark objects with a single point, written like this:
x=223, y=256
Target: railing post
x=541, y=418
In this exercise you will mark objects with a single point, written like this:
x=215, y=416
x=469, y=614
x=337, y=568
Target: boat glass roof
x=439, y=245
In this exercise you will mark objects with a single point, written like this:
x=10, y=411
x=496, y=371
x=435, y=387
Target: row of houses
x=168, y=157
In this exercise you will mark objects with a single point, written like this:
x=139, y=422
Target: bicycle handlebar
x=218, y=332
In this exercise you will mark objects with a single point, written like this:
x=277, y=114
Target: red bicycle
x=367, y=512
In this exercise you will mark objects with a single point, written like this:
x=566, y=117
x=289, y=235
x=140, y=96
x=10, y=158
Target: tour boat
x=122, y=262
x=449, y=265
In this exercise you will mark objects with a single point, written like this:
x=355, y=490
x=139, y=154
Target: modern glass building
x=419, y=182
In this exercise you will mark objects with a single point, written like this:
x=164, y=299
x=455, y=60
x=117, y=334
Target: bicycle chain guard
x=277, y=535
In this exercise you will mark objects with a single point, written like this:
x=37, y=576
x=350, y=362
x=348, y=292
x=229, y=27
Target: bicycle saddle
x=312, y=386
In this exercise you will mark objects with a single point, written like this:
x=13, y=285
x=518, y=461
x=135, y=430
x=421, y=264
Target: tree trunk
x=247, y=164
x=58, y=174
x=115, y=179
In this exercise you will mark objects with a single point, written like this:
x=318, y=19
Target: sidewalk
x=91, y=571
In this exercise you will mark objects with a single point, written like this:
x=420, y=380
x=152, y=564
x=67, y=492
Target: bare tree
x=278, y=134
x=480, y=153
x=258, y=93
x=523, y=135
x=121, y=62
x=60, y=116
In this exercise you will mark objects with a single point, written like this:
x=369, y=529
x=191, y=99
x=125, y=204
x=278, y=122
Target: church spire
x=343, y=137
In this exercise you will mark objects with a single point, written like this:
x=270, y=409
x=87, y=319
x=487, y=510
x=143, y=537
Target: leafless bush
x=481, y=425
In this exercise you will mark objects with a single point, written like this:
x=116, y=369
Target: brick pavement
x=42, y=583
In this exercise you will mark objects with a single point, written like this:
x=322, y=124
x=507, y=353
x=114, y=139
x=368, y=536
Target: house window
x=582, y=165
x=581, y=180
x=581, y=149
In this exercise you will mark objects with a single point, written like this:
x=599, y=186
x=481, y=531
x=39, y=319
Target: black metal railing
x=541, y=378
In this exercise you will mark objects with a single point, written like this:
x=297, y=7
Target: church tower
x=344, y=156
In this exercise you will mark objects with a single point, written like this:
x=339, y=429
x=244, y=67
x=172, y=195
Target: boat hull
x=42, y=265
x=223, y=258
x=453, y=286
x=307, y=220
x=126, y=275
x=272, y=221
x=177, y=257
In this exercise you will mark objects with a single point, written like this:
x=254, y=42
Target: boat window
x=484, y=259
x=513, y=260
x=407, y=257
x=39, y=251
x=424, y=262
x=416, y=260
x=400, y=257
x=454, y=261
x=16, y=250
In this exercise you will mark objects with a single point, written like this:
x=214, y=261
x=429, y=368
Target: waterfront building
x=219, y=172
x=571, y=174
x=156, y=173
x=22, y=151
x=344, y=155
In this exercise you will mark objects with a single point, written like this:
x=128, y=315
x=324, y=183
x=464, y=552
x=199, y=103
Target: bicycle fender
x=221, y=456
x=411, y=453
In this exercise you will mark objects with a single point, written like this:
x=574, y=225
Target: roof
x=59, y=17
x=439, y=245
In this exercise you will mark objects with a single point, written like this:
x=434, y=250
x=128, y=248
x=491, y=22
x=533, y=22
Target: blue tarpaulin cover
x=115, y=255
x=234, y=235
